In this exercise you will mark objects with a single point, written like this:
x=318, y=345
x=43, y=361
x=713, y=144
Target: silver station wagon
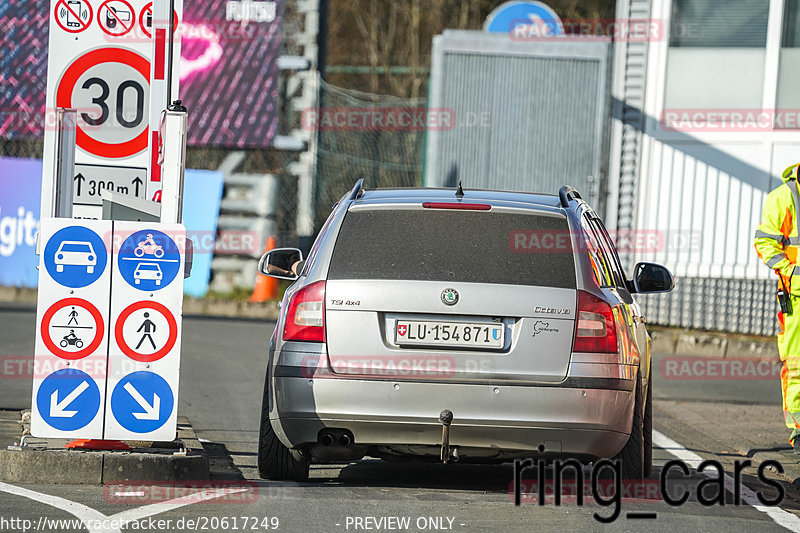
x=458, y=325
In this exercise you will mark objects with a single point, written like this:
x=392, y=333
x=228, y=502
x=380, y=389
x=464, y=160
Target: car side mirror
x=651, y=278
x=282, y=263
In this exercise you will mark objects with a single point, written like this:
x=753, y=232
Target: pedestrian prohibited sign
x=146, y=331
x=72, y=328
x=75, y=256
x=110, y=87
x=149, y=260
x=68, y=399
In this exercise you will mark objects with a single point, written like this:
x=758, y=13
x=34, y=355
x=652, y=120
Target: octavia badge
x=450, y=297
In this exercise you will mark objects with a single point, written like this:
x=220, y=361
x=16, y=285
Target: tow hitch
x=446, y=418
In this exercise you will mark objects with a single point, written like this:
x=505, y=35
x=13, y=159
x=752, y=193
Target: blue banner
x=20, y=194
x=200, y=212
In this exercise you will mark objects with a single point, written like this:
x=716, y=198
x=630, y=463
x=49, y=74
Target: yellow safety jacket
x=776, y=238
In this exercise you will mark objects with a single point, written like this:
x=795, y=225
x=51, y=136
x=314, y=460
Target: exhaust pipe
x=326, y=439
x=344, y=440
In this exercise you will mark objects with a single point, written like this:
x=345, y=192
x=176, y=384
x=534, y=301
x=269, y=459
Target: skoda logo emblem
x=450, y=297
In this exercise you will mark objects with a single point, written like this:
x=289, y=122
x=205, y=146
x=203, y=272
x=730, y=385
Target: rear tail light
x=595, y=331
x=305, y=318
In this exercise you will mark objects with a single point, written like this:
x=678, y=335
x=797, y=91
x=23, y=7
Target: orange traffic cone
x=266, y=287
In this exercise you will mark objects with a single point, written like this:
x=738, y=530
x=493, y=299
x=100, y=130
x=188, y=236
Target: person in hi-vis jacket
x=777, y=242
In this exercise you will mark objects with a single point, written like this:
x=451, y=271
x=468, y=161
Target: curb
x=718, y=345
x=45, y=461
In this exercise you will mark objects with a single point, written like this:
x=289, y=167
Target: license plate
x=459, y=334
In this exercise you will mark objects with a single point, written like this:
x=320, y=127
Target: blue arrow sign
x=149, y=260
x=142, y=402
x=511, y=14
x=75, y=256
x=68, y=399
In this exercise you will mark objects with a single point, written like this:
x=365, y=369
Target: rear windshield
x=466, y=246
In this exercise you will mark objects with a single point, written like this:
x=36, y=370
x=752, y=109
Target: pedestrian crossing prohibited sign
x=72, y=328
x=146, y=331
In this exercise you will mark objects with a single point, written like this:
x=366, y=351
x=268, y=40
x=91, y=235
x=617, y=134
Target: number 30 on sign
x=113, y=115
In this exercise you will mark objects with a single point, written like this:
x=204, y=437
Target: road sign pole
x=164, y=79
x=64, y=163
x=174, y=163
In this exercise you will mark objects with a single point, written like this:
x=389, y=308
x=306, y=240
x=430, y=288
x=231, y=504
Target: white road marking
x=90, y=516
x=189, y=499
x=778, y=515
x=78, y=510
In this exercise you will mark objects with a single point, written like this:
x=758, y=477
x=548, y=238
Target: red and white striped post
x=164, y=77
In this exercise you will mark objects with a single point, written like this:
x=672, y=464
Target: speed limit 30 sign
x=110, y=88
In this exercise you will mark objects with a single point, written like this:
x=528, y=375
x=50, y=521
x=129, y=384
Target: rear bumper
x=582, y=416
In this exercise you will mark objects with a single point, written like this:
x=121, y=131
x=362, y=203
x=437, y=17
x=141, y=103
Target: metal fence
x=382, y=158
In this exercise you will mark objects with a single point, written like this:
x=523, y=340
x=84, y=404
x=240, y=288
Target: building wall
x=700, y=190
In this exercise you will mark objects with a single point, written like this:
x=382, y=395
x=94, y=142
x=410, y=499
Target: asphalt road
x=223, y=366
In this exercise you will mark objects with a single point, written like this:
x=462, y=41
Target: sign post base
x=97, y=444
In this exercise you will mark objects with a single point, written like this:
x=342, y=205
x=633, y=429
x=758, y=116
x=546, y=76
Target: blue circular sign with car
x=75, y=256
x=149, y=260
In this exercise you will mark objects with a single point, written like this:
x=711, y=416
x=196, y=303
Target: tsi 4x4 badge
x=450, y=297
x=401, y=375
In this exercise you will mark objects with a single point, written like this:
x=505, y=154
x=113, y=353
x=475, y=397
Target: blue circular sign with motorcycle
x=149, y=260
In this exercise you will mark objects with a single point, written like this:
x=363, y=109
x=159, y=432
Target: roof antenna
x=459, y=191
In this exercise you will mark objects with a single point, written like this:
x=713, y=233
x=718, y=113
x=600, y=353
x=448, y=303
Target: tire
x=276, y=461
x=633, y=454
x=79, y=344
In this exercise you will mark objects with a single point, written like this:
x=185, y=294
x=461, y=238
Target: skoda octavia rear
x=505, y=316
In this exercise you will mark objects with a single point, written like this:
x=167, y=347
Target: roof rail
x=567, y=193
x=357, y=190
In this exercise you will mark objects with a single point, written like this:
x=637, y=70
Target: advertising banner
x=20, y=191
x=228, y=64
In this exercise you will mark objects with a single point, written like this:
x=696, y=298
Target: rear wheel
x=276, y=461
x=633, y=454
